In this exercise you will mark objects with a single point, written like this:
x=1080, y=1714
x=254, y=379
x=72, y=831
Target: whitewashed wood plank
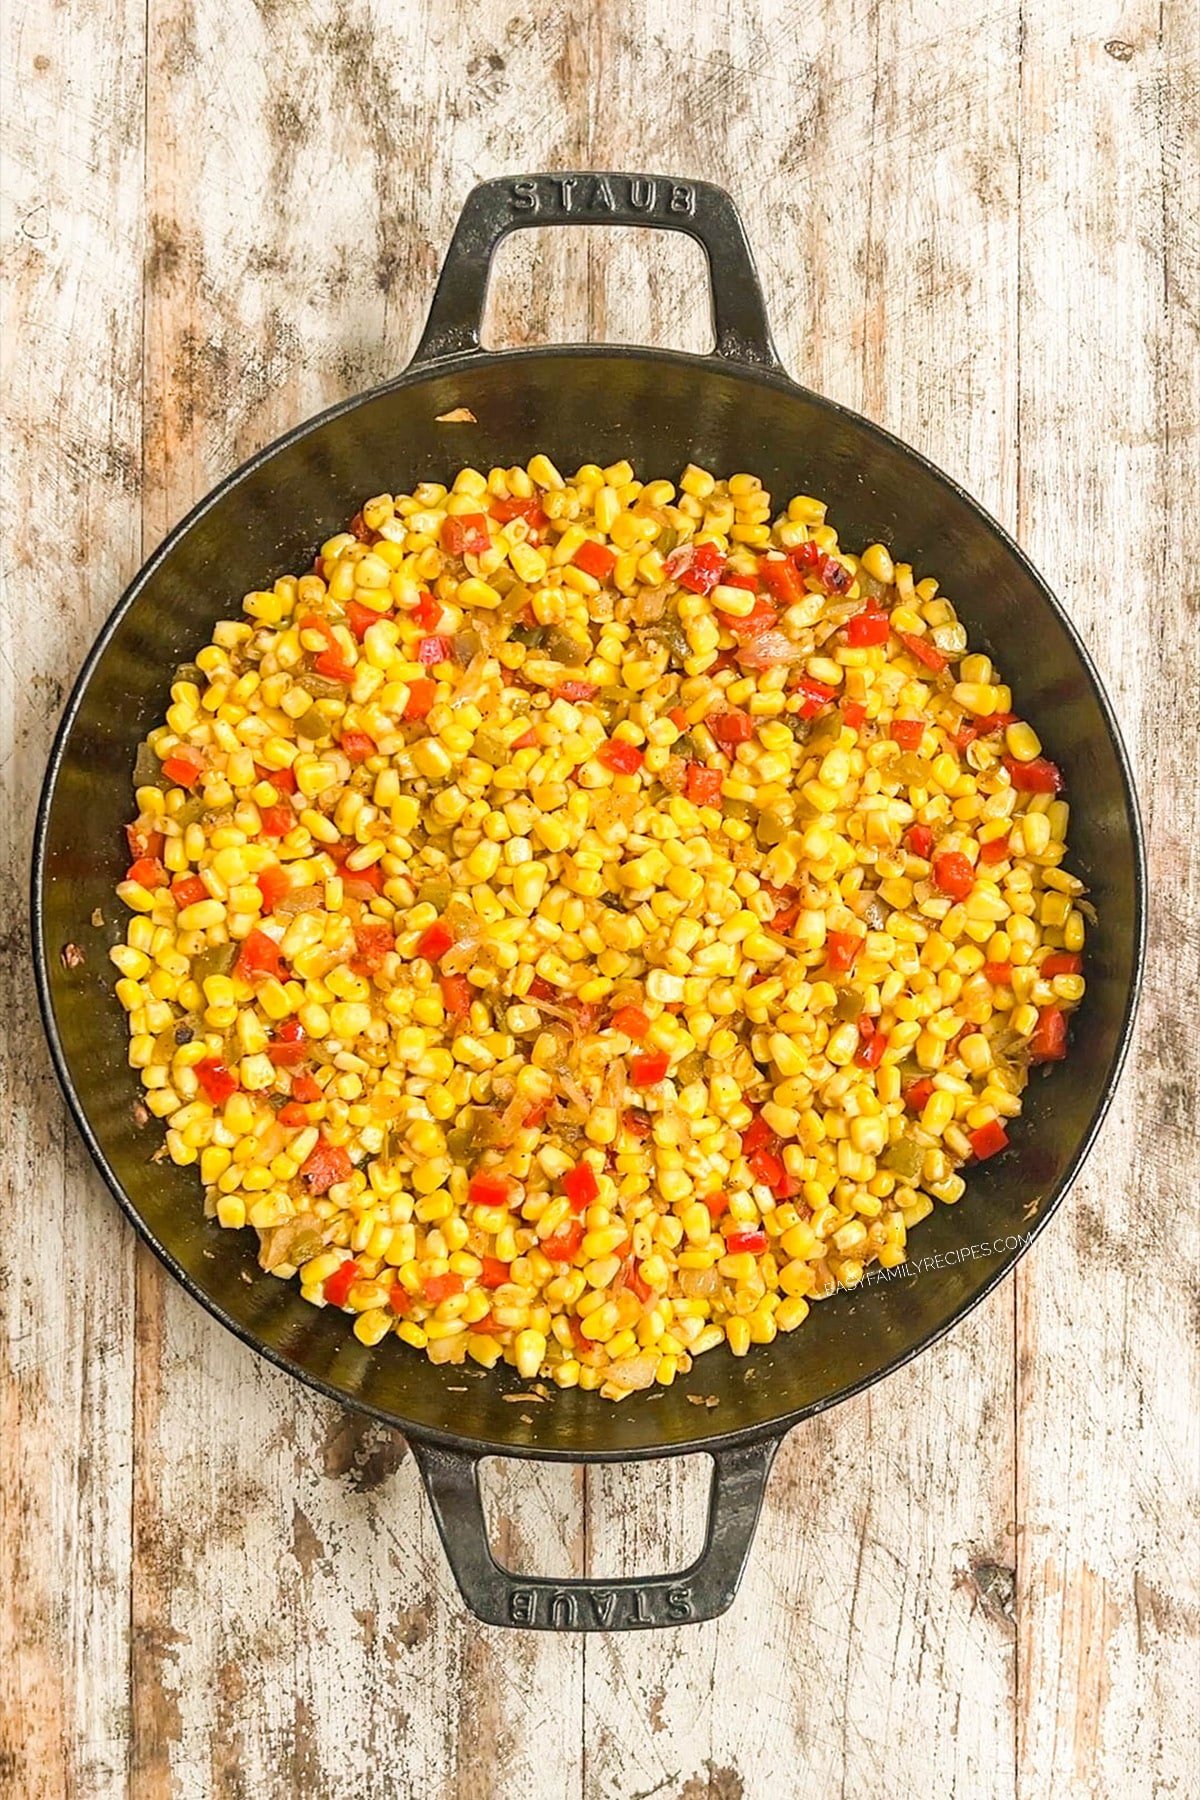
x=71, y=337
x=1109, y=1452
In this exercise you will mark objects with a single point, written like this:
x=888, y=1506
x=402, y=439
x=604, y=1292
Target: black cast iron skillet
x=735, y=409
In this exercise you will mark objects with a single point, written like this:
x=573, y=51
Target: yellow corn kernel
x=1022, y=741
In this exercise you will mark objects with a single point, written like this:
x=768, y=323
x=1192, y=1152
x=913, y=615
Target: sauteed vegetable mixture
x=584, y=921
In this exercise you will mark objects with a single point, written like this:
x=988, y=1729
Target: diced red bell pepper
x=703, y=786
x=580, y=1186
x=465, y=534
x=282, y=780
x=998, y=973
x=373, y=940
x=504, y=511
x=336, y=1288
x=842, y=949
x=757, y=619
x=273, y=883
x=806, y=556
x=306, y=1088
x=919, y=839
x=292, y=1114
x=696, y=567
x=399, y=1299
x=595, y=559
x=427, y=613
x=217, y=1081
x=143, y=842
x=526, y=741
x=678, y=717
x=988, y=1140
x=779, y=575
x=833, y=575
x=872, y=1043
x=635, y=1284
x=637, y=1124
x=487, y=1187
x=994, y=722
x=434, y=650
x=434, y=942
x=970, y=729
x=333, y=665
x=717, y=1204
x=323, y=627
x=923, y=650
x=907, y=732
x=767, y=1167
x=731, y=728
x=575, y=691
x=783, y=921
x=648, y=1069
x=1049, y=1040
x=326, y=1166
x=622, y=758
x=867, y=628
x=757, y=1135
x=854, y=713
x=358, y=745
x=535, y=1118
x=456, y=995
x=440, y=1287
x=753, y=626
x=422, y=694
x=564, y=1245
x=149, y=872
x=184, y=766
x=994, y=851
x=494, y=1273
x=631, y=1020
x=260, y=955
x=814, y=695
x=753, y=1241
x=361, y=883
x=953, y=874
x=360, y=618
x=917, y=1093
x=288, y=1048
x=276, y=821
x=1037, y=777
x=1060, y=962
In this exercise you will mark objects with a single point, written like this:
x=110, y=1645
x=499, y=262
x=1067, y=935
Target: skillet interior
x=598, y=405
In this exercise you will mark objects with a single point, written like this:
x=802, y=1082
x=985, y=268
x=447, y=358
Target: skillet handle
x=631, y=1603
x=705, y=212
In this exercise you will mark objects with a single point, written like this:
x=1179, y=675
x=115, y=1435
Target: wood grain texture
x=72, y=220
x=1108, y=1567
x=977, y=1580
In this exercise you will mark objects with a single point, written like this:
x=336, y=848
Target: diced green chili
x=903, y=1158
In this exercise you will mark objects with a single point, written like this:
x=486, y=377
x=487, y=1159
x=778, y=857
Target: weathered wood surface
x=979, y=1580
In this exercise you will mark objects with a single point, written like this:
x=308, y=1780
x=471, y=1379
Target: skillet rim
x=464, y=364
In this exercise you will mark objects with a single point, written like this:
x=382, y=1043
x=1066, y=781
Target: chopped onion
x=699, y=1283
x=304, y=899
x=769, y=650
x=633, y=1371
